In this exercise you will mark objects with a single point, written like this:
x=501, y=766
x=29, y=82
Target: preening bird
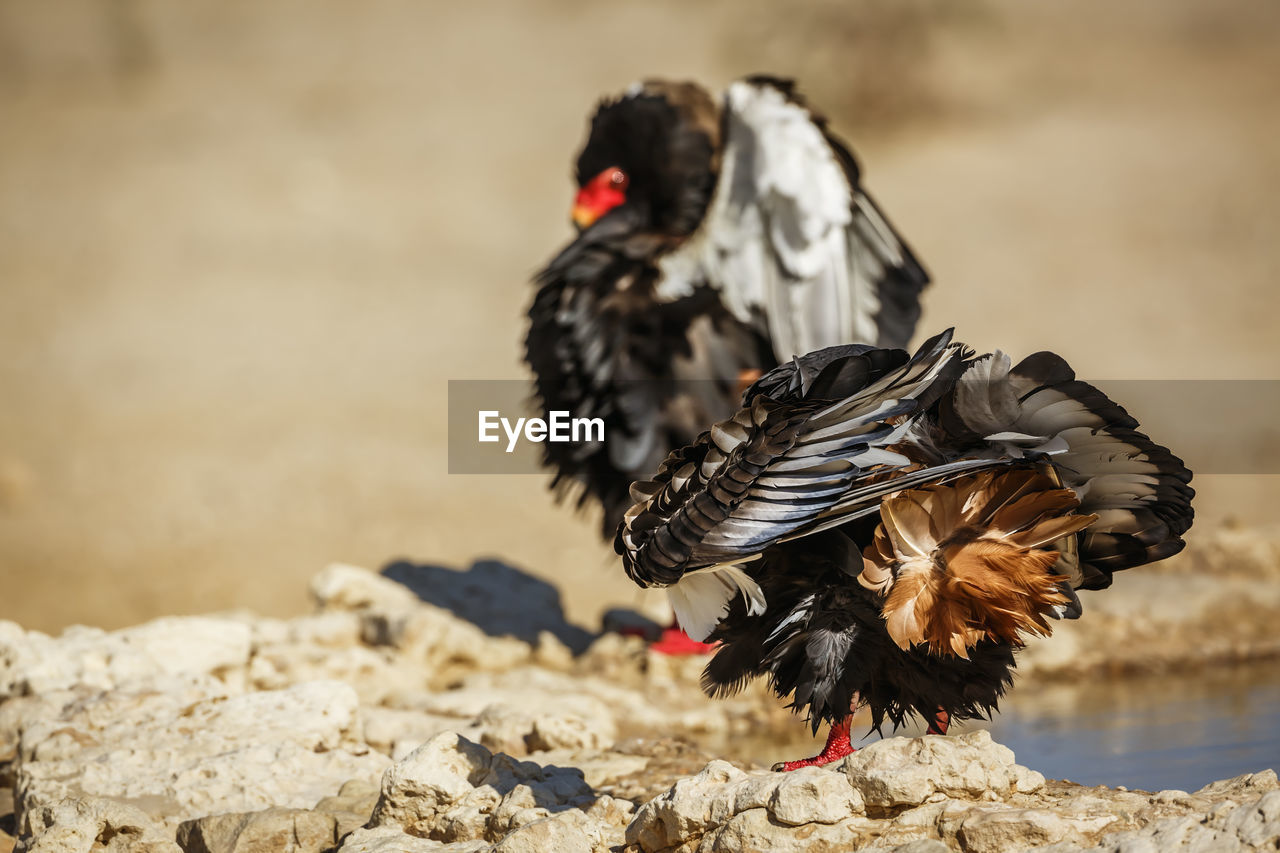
x=719, y=238
x=883, y=530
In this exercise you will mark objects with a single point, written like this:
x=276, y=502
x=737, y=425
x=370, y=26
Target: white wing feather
x=786, y=237
x=701, y=599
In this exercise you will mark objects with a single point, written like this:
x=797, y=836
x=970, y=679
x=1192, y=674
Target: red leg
x=675, y=641
x=940, y=723
x=838, y=746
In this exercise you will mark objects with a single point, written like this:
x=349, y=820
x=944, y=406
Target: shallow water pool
x=1152, y=733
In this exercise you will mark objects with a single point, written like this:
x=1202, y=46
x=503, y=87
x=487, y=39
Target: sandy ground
x=243, y=247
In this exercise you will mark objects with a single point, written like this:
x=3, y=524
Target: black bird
x=718, y=239
x=883, y=530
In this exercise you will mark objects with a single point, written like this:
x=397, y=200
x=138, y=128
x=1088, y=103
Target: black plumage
x=1020, y=479
x=711, y=257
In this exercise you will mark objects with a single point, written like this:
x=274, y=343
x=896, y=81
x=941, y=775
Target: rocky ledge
x=386, y=723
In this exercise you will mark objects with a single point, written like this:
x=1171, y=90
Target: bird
x=717, y=238
x=883, y=530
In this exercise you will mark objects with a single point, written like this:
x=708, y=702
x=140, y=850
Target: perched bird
x=883, y=530
x=718, y=238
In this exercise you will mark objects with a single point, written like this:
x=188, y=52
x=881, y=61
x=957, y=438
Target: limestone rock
x=451, y=789
x=499, y=599
x=520, y=730
x=32, y=663
x=527, y=710
x=391, y=615
x=342, y=587
x=569, y=831
x=283, y=830
x=390, y=839
x=327, y=646
x=728, y=808
x=97, y=825
x=275, y=830
x=899, y=772
x=397, y=732
x=999, y=830
x=181, y=761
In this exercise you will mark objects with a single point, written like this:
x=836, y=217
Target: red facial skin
x=600, y=195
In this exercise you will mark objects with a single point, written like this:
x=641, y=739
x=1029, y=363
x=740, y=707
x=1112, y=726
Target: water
x=1151, y=733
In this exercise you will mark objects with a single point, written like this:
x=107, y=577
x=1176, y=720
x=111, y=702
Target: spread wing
x=1139, y=490
x=786, y=465
x=793, y=241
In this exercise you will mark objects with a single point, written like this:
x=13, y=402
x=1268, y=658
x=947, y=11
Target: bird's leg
x=939, y=724
x=838, y=746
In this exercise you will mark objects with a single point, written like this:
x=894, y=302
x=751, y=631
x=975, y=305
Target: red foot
x=940, y=723
x=838, y=746
x=676, y=642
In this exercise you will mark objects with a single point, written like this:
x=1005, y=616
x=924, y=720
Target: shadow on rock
x=499, y=599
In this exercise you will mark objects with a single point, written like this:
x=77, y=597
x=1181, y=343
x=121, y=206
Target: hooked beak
x=584, y=216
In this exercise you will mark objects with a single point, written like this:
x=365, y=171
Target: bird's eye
x=618, y=179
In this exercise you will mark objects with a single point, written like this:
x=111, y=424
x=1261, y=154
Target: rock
x=527, y=710
x=451, y=789
x=1247, y=785
x=352, y=805
x=499, y=599
x=908, y=771
x=97, y=825
x=397, y=732
x=922, y=845
x=549, y=651
x=32, y=663
x=569, y=831
x=328, y=646
x=1256, y=824
x=342, y=587
x=267, y=831
x=1001, y=830
x=601, y=768
x=390, y=839
x=391, y=615
x=1243, y=828
x=282, y=829
x=520, y=730
x=730, y=809
x=182, y=760
x=240, y=734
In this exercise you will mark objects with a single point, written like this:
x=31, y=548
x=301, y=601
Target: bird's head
x=651, y=157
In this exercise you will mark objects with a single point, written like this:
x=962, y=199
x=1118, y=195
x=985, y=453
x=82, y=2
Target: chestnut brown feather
x=971, y=560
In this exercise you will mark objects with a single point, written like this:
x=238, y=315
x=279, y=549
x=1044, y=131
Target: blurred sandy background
x=244, y=245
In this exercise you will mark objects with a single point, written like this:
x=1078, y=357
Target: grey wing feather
x=779, y=469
